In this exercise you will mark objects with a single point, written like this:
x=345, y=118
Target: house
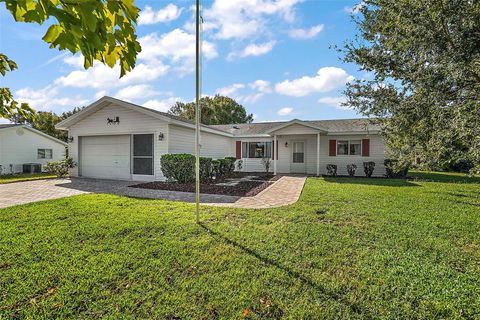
x=21, y=144
x=114, y=139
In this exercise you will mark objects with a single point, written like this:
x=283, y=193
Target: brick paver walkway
x=284, y=191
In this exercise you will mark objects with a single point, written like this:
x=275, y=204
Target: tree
x=102, y=30
x=45, y=121
x=425, y=59
x=216, y=110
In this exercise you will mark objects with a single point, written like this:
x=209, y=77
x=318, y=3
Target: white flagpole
x=197, y=112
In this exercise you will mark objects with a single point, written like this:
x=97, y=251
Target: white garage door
x=106, y=157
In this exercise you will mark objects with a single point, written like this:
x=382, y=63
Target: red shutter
x=239, y=149
x=366, y=148
x=273, y=150
x=332, y=148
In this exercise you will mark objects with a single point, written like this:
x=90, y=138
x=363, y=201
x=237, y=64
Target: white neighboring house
x=20, y=144
x=114, y=139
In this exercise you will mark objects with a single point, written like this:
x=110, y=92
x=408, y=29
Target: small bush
x=332, y=170
x=205, y=169
x=59, y=168
x=178, y=167
x=368, y=168
x=461, y=165
x=394, y=169
x=239, y=165
x=266, y=162
x=226, y=166
x=351, y=168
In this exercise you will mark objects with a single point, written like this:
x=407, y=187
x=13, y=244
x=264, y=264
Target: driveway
x=284, y=191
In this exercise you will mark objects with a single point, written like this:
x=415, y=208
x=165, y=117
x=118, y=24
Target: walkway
x=284, y=191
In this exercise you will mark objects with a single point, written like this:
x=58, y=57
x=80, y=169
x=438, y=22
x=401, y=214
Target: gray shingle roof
x=333, y=126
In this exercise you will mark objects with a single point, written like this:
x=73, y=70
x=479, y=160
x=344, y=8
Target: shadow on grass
x=354, y=307
x=372, y=181
x=446, y=177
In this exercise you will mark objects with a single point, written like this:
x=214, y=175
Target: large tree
x=102, y=30
x=45, y=121
x=216, y=110
x=424, y=56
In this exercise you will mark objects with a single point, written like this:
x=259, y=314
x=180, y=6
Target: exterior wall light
x=286, y=144
x=160, y=136
x=70, y=139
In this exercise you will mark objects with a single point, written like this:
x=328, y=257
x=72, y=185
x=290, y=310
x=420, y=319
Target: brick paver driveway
x=284, y=191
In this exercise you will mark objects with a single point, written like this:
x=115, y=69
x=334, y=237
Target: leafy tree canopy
x=425, y=59
x=45, y=121
x=102, y=30
x=216, y=110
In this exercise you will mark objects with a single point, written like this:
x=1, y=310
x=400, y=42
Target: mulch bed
x=242, y=189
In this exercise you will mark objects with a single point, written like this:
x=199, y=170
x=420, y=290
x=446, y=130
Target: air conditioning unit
x=32, y=168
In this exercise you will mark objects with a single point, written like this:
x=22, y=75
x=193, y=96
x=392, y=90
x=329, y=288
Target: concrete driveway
x=284, y=191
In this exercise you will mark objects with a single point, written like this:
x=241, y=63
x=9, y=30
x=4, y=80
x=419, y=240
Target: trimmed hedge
x=181, y=167
x=332, y=170
x=368, y=168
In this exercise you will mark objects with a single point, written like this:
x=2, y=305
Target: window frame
x=133, y=156
x=44, y=153
x=245, y=152
x=349, y=144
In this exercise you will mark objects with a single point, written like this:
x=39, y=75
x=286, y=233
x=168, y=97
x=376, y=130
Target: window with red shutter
x=366, y=148
x=239, y=149
x=332, y=148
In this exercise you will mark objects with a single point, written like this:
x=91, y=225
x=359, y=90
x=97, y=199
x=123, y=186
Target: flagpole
x=197, y=111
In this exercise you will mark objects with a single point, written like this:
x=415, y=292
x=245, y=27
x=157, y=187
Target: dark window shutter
x=276, y=151
x=332, y=148
x=366, y=148
x=239, y=149
x=273, y=149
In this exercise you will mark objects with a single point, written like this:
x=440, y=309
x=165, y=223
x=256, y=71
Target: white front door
x=105, y=157
x=297, y=164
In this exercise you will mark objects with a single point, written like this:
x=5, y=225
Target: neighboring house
x=115, y=139
x=20, y=144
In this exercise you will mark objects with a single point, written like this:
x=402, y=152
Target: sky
x=275, y=57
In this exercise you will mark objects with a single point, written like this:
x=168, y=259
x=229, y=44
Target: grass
x=349, y=249
x=25, y=177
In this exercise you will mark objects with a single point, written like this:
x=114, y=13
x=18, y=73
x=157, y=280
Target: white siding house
x=114, y=139
x=21, y=144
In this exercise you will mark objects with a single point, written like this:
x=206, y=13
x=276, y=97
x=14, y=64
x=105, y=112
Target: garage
x=105, y=157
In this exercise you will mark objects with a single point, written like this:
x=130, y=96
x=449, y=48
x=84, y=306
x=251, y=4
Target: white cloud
x=253, y=50
x=354, y=9
x=74, y=61
x=169, y=13
x=262, y=86
x=162, y=105
x=327, y=79
x=100, y=94
x=334, y=102
x=136, y=92
x=177, y=46
x=103, y=77
x=47, y=98
x=285, y=111
x=230, y=90
x=252, y=98
x=242, y=19
x=306, y=34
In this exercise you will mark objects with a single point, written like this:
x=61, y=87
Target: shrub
x=205, y=169
x=394, y=169
x=266, y=162
x=368, y=168
x=231, y=166
x=351, y=168
x=178, y=167
x=226, y=166
x=240, y=165
x=60, y=168
x=461, y=165
x=332, y=170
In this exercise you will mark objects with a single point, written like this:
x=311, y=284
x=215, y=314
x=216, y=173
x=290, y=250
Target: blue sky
x=272, y=56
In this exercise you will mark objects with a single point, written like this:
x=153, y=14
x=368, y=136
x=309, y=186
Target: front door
x=142, y=155
x=298, y=157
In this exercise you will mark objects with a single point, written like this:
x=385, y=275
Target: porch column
x=318, y=154
x=275, y=152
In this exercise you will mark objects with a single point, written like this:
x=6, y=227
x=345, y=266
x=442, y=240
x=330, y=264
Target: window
x=143, y=154
x=256, y=149
x=44, y=153
x=349, y=147
x=298, y=152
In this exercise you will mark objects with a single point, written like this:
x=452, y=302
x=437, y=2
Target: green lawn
x=350, y=248
x=25, y=177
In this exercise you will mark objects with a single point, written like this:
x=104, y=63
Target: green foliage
x=216, y=110
x=351, y=168
x=10, y=178
x=60, y=168
x=389, y=249
x=226, y=166
x=332, y=170
x=396, y=169
x=178, y=167
x=206, y=169
x=425, y=92
x=45, y=121
x=102, y=30
x=368, y=168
